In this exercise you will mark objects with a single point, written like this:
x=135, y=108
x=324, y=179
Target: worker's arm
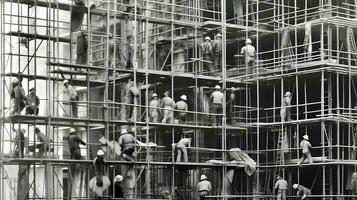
x=81, y=141
x=37, y=101
x=209, y=186
x=242, y=51
x=135, y=91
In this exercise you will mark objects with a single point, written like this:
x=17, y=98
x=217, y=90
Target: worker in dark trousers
x=305, y=145
x=301, y=190
x=32, y=103
x=217, y=51
x=118, y=190
x=281, y=186
x=74, y=142
x=99, y=167
x=19, y=99
x=127, y=143
x=207, y=53
x=82, y=46
x=130, y=97
x=230, y=106
x=204, y=187
x=216, y=105
x=20, y=143
x=182, y=106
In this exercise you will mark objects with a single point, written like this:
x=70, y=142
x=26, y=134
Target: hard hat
x=72, y=130
x=65, y=81
x=154, y=95
x=110, y=35
x=166, y=92
x=278, y=177
x=207, y=38
x=184, y=97
x=203, y=177
x=217, y=87
x=306, y=137
x=295, y=186
x=32, y=89
x=287, y=94
x=100, y=152
x=233, y=88
x=248, y=41
x=15, y=80
x=84, y=32
x=23, y=130
x=124, y=131
x=118, y=178
x=218, y=35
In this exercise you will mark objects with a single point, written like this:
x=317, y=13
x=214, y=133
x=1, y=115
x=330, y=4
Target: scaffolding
x=305, y=47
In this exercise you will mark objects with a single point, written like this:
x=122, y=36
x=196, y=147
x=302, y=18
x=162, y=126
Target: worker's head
x=207, y=38
x=217, y=87
x=203, y=177
x=15, y=81
x=295, y=186
x=287, y=94
x=154, y=96
x=354, y=175
x=72, y=131
x=65, y=83
x=130, y=83
x=23, y=131
x=278, y=177
x=183, y=97
x=32, y=91
x=248, y=41
x=84, y=33
x=166, y=94
x=37, y=130
x=124, y=131
x=118, y=178
x=233, y=89
x=306, y=137
x=218, y=36
x=100, y=153
x=110, y=35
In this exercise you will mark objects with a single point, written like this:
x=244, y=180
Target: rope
x=313, y=183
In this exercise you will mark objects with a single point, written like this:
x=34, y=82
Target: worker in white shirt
x=216, y=105
x=249, y=53
x=70, y=95
x=181, y=149
x=204, y=187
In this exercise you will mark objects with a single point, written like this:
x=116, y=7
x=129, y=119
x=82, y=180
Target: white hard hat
x=65, y=81
x=100, y=152
x=72, y=130
x=23, y=130
x=248, y=41
x=218, y=35
x=118, y=178
x=217, y=87
x=110, y=35
x=15, y=80
x=287, y=93
x=207, y=38
x=306, y=137
x=124, y=131
x=203, y=177
x=233, y=88
x=154, y=95
x=184, y=97
x=295, y=186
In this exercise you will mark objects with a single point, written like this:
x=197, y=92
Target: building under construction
x=303, y=47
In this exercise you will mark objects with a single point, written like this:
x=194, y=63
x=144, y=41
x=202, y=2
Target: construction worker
x=207, y=53
x=32, y=103
x=182, y=106
x=216, y=104
x=204, y=187
x=217, y=50
x=168, y=104
x=230, y=105
x=20, y=143
x=127, y=144
x=305, y=145
x=301, y=190
x=181, y=149
x=19, y=98
x=118, y=190
x=111, y=44
x=281, y=185
x=82, y=46
x=130, y=29
x=70, y=95
x=130, y=97
x=154, y=109
x=249, y=55
x=74, y=142
x=45, y=142
x=354, y=184
x=285, y=112
x=99, y=164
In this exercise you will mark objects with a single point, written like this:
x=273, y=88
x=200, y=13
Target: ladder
x=282, y=145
